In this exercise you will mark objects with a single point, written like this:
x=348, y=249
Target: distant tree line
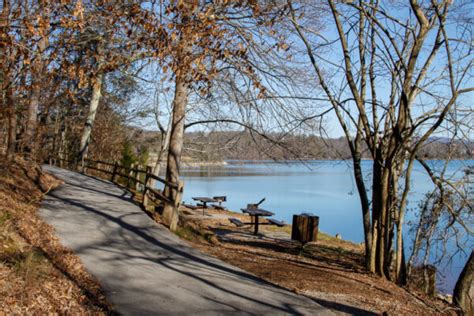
x=212, y=146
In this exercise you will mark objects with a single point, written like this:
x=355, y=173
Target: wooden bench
x=236, y=222
x=220, y=199
x=273, y=221
x=219, y=207
x=255, y=205
x=192, y=207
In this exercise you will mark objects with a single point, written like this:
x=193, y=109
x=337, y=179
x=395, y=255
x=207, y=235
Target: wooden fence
x=134, y=178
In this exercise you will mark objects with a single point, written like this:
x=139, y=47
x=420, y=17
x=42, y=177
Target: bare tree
x=198, y=40
x=108, y=47
x=392, y=82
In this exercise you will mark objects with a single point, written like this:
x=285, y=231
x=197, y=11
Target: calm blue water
x=325, y=188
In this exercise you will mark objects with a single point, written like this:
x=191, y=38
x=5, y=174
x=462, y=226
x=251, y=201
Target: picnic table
x=204, y=200
x=256, y=213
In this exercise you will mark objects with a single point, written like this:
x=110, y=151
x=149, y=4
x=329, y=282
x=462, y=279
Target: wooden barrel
x=305, y=228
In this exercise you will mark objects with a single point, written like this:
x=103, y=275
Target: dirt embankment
x=37, y=274
x=330, y=271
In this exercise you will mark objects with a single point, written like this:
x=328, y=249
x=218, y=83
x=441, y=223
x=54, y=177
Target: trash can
x=305, y=227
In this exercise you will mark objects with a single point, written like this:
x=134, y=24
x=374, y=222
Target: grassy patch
x=31, y=265
x=192, y=232
x=186, y=233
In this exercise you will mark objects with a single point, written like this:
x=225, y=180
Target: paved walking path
x=143, y=268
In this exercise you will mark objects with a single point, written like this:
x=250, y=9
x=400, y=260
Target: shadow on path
x=144, y=268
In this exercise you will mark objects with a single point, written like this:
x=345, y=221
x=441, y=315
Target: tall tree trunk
x=170, y=212
x=7, y=103
x=391, y=206
x=380, y=212
x=32, y=117
x=12, y=125
x=63, y=146
x=401, y=267
x=376, y=180
x=37, y=68
x=383, y=227
x=364, y=201
x=5, y=84
x=93, y=105
x=165, y=143
x=54, y=150
x=464, y=290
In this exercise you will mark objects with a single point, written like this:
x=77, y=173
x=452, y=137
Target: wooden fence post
x=114, y=172
x=83, y=166
x=130, y=176
x=179, y=194
x=137, y=178
x=145, y=195
x=98, y=165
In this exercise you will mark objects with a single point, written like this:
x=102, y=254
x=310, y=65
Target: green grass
x=33, y=265
x=185, y=233
x=192, y=234
x=30, y=264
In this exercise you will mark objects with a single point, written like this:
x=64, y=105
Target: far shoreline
x=195, y=164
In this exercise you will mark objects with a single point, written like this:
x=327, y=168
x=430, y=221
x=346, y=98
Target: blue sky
x=335, y=79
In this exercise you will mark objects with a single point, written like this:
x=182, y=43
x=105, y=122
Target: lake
x=324, y=188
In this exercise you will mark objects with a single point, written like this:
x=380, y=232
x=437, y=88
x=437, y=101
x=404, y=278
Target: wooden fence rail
x=133, y=178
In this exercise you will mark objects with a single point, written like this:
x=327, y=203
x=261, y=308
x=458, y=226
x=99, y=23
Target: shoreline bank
x=330, y=270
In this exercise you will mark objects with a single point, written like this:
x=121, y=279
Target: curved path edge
x=144, y=268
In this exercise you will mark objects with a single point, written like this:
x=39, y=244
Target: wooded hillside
x=219, y=145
